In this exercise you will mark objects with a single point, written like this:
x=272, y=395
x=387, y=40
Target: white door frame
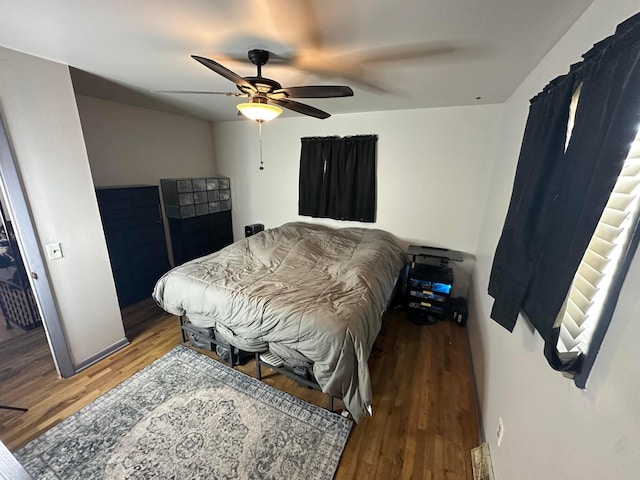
x=32, y=256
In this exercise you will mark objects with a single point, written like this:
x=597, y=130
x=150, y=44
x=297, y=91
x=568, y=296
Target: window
x=550, y=266
x=593, y=281
x=338, y=177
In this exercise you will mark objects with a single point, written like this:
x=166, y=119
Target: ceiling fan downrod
x=258, y=58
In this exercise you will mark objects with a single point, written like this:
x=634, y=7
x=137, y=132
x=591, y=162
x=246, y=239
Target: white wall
x=432, y=175
x=131, y=145
x=552, y=429
x=39, y=108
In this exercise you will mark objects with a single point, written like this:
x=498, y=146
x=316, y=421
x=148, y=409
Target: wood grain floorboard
x=424, y=424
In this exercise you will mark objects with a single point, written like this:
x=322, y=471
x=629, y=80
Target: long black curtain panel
x=338, y=177
x=559, y=195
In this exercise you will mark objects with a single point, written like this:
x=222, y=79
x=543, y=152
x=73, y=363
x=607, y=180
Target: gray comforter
x=307, y=292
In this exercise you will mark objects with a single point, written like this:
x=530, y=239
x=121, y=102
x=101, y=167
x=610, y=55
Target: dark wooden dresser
x=133, y=228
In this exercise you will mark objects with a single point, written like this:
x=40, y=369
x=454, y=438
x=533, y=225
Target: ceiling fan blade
x=355, y=67
x=300, y=107
x=317, y=91
x=298, y=21
x=398, y=53
x=228, y=94
x=365, y=82
x=225, y=72
x=274, y=58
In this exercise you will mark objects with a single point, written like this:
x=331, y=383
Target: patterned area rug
x=188, y=416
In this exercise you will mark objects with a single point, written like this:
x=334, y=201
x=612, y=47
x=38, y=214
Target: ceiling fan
x=265, y=95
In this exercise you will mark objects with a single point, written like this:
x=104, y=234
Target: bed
x=310, y=294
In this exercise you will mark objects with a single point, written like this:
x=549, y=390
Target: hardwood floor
x=424, y=424
x=9, y=333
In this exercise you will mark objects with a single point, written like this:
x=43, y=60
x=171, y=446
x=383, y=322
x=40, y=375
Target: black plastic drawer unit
x=132, y=222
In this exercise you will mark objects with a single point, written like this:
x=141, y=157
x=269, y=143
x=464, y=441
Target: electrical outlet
x=54, y=251
x=499, y=430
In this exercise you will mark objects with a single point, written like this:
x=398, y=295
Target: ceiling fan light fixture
x=260, y=112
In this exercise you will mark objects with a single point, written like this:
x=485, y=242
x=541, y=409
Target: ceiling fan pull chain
x=260, y=141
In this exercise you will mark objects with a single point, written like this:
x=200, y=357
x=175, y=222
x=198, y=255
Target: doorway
x=34, y=274
x=18, y=310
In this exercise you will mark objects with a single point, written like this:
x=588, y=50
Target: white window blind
x=582, y=309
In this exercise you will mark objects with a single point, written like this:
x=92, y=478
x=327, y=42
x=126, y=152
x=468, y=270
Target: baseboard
x=103, y=354
x=474, y=390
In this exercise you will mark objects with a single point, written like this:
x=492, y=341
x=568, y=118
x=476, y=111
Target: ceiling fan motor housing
x=262, y=84
x=258, y=57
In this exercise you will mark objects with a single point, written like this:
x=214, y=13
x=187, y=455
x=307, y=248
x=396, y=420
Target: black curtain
x=558, y=196
x=338, y=177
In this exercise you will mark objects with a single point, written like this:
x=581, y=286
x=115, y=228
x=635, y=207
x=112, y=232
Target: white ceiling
x=126, y=50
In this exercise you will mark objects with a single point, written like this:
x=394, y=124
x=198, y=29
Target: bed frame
x=187, y=330
x=199, y=335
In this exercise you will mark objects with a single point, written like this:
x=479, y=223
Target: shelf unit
x=429, y=285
